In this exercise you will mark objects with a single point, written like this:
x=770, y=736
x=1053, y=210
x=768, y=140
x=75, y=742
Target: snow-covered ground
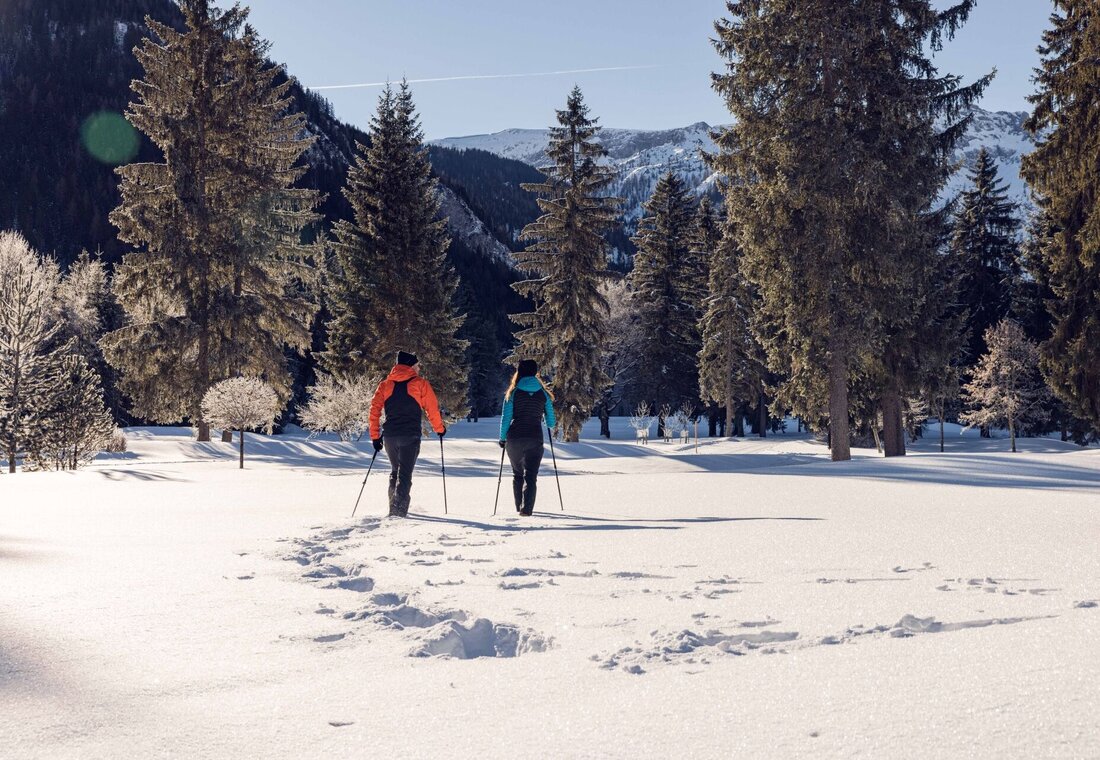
x=749, y=600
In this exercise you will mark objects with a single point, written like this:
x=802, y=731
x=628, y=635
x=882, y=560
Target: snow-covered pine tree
x=566, y=332
x=393, y=288
x=217, y=272
x=340, y=405
x=668, y=285
x=28, y=324
x=1064, y=172
x=89, y=310
x=72, y=423
x=241, y=403
x=1006, y=386
x=985, y=244
x=833, y=159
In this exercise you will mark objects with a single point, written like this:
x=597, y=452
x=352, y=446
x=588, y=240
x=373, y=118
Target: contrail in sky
x=488, y=76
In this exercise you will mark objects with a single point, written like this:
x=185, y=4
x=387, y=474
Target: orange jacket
x=419, y=389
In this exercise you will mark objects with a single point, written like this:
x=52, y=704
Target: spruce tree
x=214, y=287
x=270, y=303
x=89, y=310
x=834, y=159
x=393, y=288
x=667, y=288
x=72, y=423
x=731, y=362
x=1006, y=386
x=568, y=254
x=1064, y=173
x=985, y=244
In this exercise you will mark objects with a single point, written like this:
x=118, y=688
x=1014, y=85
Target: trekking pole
x=550, y=435
x=364, y=482
x=499, y=478
x=443, y=465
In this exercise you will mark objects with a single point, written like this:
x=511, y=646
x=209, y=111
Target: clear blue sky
x=339, y=42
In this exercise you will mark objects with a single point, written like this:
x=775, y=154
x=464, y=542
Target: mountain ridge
x=640, y=157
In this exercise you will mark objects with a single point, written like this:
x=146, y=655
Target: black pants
x=525, y=454
x=402, y=451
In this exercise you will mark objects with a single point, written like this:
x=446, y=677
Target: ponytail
x=515, y=379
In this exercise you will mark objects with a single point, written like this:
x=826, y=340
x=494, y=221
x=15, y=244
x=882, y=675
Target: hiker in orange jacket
x=405, y=396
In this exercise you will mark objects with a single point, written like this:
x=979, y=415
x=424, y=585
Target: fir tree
x=394, y=289
x=28, y=324
x=667, y=289
x=72, y=423
x=731, y=367
x=1006, y=386
x=986, y=247
x=214, y=287
x=834, y=160
x=1064, y=172
x=568, y=253
x=89, y=310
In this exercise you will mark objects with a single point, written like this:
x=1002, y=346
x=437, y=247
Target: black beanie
x=528, y=368
x=403, y=357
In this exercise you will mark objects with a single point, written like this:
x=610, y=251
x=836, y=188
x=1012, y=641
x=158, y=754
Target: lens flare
x=109, y=138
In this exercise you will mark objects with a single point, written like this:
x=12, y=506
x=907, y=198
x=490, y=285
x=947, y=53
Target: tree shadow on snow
x=532, y=525
x=143, y=475
x=673, y=520
x=994, y=470
x=583, y=522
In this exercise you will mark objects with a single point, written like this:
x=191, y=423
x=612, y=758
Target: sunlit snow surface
x=751, y=599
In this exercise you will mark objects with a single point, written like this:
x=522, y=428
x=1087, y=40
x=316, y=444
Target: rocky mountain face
x=640, y=157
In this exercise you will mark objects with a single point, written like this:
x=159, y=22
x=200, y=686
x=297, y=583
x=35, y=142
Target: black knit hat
x=403, y=357
x=528, y=368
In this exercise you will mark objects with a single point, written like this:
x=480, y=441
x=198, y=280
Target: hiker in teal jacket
x=526, y=403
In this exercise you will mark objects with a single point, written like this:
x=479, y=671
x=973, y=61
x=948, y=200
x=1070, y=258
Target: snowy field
x=749, y=600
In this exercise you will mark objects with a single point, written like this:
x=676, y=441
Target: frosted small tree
x=72, y=423
x=641, y=421
x=663, y=413
x=339, y=405
x=241, y=403
x=1006, y=387
x=680, y=420
x=28, y=323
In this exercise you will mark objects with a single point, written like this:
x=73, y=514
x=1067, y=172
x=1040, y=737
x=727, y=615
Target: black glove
x=503, y=444
x=377, y=444
x=444, y=431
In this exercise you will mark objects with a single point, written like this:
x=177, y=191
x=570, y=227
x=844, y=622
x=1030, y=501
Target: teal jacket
x=529, y=384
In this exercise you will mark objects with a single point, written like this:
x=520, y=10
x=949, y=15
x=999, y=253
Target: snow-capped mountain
x=641, y=157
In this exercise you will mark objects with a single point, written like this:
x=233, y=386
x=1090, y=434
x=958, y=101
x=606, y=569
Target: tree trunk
x=893, y=428
x=605, y=422
x=941, y=426
x=761, y=416
x=874, y=434
x=712, y=422
x=242, y=445
x=839, y=432
x=1012, y=433
x=739, y=424
x=11, y=458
